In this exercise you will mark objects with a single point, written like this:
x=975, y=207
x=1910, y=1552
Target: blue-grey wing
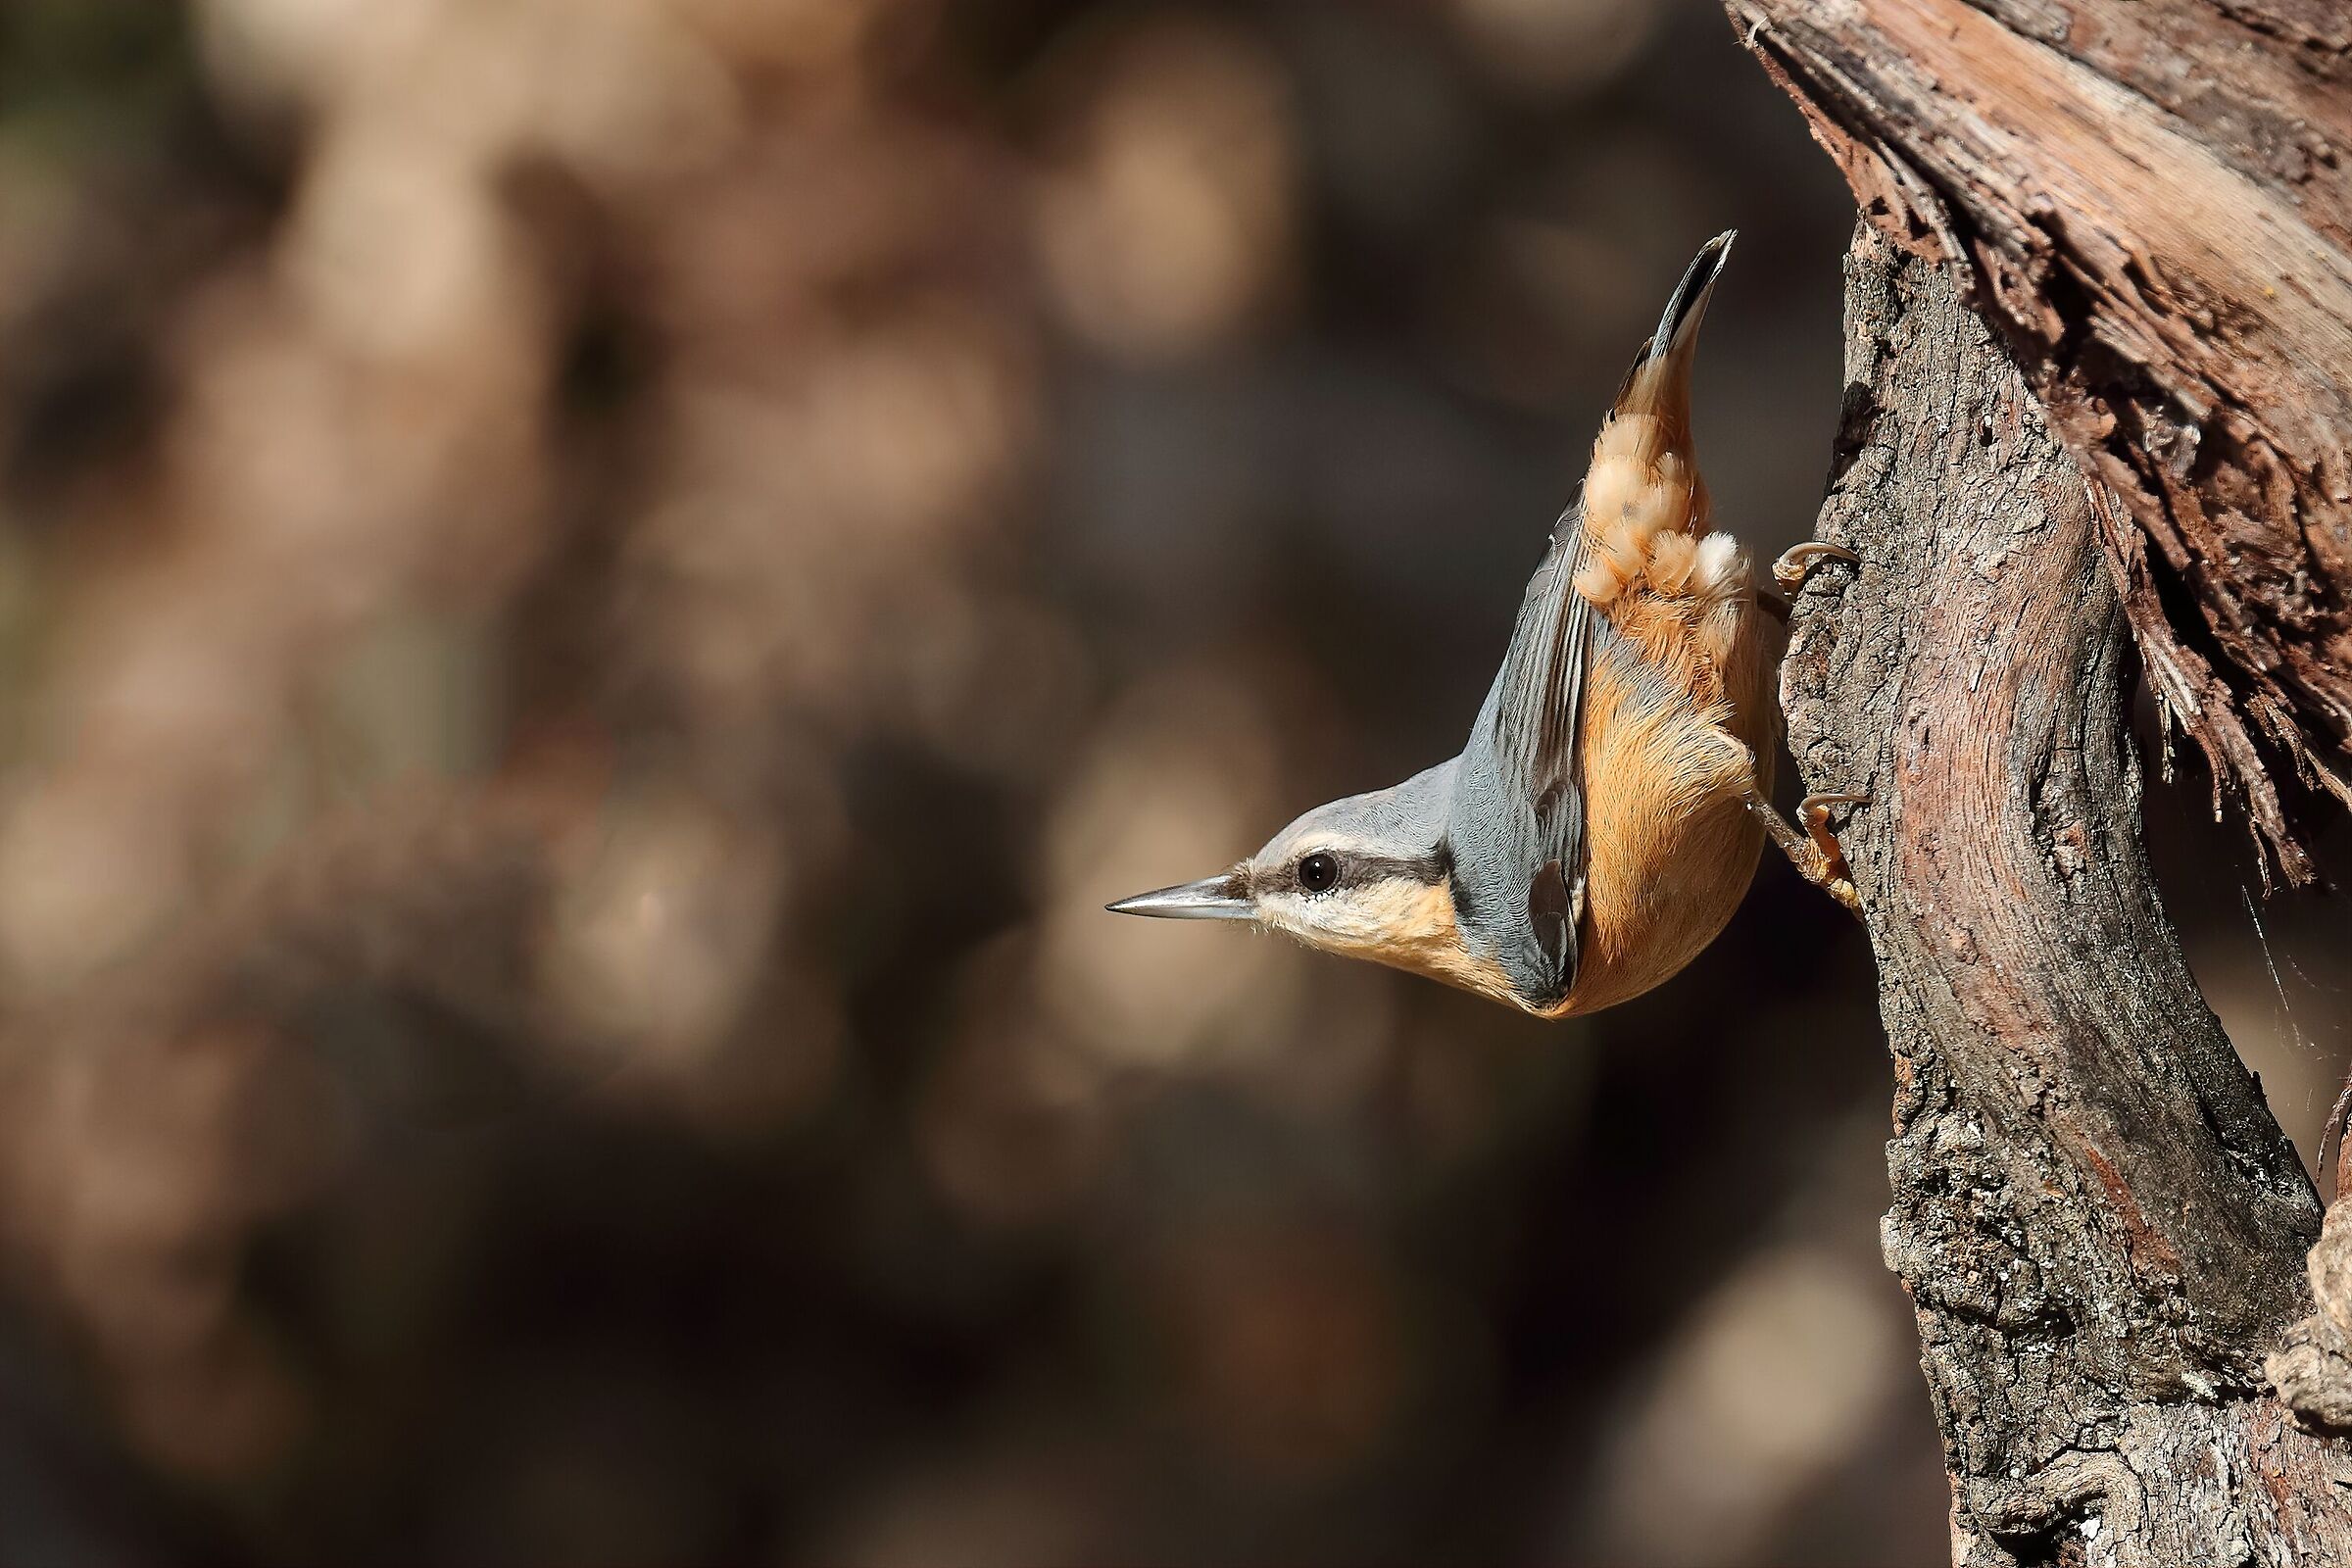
x=1518, y=821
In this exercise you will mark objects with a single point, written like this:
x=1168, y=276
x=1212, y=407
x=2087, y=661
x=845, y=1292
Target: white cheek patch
x=1381, y=920
x=1285, y=911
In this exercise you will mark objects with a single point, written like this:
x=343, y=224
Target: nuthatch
x=1605, y=816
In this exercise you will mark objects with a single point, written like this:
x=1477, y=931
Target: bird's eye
x=1319, y=873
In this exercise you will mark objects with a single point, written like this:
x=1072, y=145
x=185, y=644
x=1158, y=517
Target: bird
x=1606, y=813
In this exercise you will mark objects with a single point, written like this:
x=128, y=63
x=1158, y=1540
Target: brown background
x=594, y=594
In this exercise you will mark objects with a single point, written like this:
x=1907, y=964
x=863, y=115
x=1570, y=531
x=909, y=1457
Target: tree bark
x=2101, y=1226
x=2099, y=330
x=2152, y=202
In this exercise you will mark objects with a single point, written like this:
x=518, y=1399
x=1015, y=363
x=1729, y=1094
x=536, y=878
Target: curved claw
x=1815, y=852
x=1798, y=562
x=1835, y=879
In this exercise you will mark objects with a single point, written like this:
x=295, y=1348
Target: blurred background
x=594, y=594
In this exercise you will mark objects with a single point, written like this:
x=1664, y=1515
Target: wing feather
x=1521, y=789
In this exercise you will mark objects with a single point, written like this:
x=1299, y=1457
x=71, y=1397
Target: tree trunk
x=2099, y=328
x=2101, y=1226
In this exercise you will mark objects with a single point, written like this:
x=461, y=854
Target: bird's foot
x=1836, y=877
x=1814, y=852
x=1799, y=560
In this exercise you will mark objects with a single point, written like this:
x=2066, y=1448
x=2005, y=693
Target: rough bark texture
x=2100, y=1224
x=2152, y=201
x=2312, y=1369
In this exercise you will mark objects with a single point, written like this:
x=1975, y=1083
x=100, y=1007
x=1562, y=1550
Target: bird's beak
x=1214, y=898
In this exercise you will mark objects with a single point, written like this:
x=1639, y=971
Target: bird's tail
x=1659, y=383
x=1645, y=507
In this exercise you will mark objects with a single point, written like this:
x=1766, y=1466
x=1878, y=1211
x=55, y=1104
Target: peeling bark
x=2152, y=202
x=2101, y=1226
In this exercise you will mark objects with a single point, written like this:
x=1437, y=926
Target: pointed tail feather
x=1678, y=328
x=1659, y=383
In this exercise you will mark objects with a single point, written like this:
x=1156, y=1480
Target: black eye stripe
x=1321, y=870
x=1428, y=870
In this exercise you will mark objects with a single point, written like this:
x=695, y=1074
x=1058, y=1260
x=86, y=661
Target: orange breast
x=1671, y=846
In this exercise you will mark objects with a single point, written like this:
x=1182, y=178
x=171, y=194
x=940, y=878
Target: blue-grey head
x=1369, y=877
